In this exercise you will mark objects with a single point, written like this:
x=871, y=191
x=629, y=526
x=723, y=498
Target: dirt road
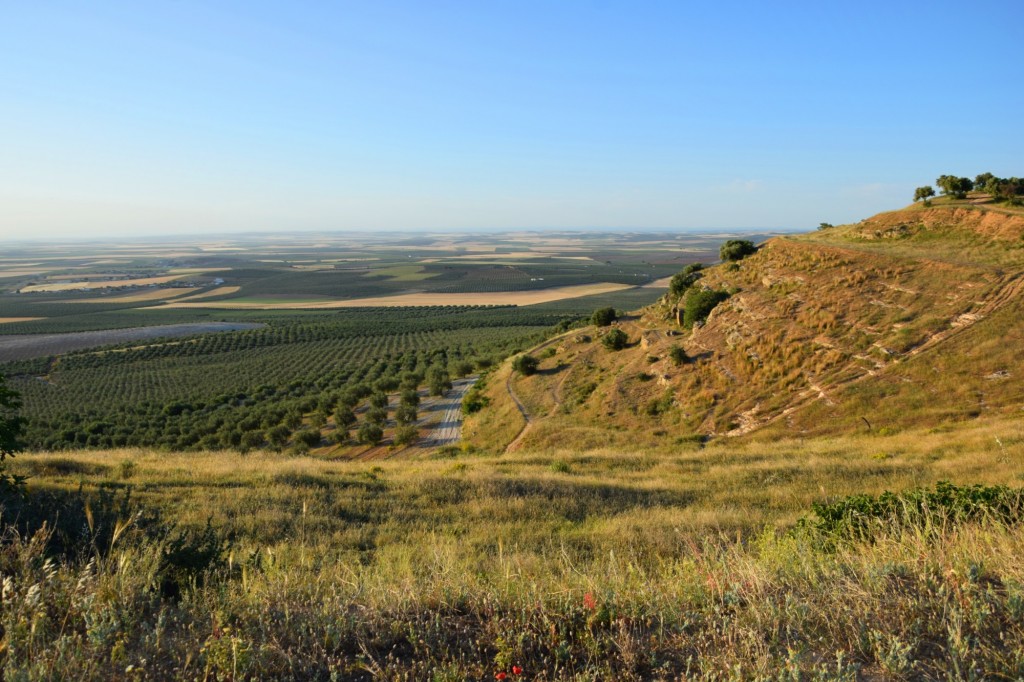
x=448, y=429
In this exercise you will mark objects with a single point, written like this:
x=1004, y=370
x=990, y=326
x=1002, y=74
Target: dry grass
x=615, y=565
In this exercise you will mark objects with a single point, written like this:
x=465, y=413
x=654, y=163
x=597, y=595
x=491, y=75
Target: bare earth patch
x=5, y=320
x=420, y=299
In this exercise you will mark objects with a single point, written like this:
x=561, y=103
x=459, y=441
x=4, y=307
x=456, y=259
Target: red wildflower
x=589, y=602
x=500, y=676
x=516, y=670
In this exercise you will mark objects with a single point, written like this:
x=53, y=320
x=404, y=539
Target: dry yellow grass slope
x=909, y=318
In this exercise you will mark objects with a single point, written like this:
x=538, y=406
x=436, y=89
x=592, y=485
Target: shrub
x=616, y=339
x=736, y=249
x=677, y=355
x=603, y=317
x=699, y=304
x=685, y=279
x=474, y=401
x=525, y=365
x=860, y=516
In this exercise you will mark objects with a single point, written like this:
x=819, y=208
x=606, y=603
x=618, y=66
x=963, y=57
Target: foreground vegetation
x=688, y=563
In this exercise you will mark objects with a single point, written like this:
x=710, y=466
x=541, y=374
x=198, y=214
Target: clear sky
x=203, y=116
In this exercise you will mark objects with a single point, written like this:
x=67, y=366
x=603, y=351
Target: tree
x=736, y=249
x=410, y=396
x=344, y=417
x=379, y=400
x=376, y=415
x=461, y=368
x=438, y=381
x=250, y=441
x=825, y=226
x=603, y=317
x=278, y=436
x=406, y=434
x=925, y=193
x=405, y=414
x=10, y=429
x=685, y=279
x=616, y=339
x=308, y=437
x=370, y=433
x=525, y=365
x=954, y=186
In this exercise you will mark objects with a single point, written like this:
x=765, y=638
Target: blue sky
x=199, y=117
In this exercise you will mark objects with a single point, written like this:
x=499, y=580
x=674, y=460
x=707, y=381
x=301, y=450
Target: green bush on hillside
x=685, y=279
x=699, y=304
x=736, y=249
x=525, y=365
x=616, y=339
x=603, y=317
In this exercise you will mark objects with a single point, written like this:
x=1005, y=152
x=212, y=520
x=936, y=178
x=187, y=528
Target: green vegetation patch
x=863, y=516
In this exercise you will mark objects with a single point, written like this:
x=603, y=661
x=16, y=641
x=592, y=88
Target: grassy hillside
x=707, y=503
x=631, y=564
x=910, y=318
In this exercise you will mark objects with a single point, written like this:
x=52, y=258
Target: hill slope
x=912, y=317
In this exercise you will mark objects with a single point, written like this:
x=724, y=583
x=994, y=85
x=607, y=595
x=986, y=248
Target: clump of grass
x=560, y=466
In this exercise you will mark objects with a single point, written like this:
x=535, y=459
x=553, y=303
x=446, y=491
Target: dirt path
x=440, y=424
x=448, y=430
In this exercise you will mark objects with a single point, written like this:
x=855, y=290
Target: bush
x=616, y=339
x=699, y=304
x=525, y=365
x=860, y=516
x=603, y=317
x=677, y=355
x=682, y=281
x=736, y=249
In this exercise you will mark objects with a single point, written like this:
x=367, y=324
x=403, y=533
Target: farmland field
x=318, y=338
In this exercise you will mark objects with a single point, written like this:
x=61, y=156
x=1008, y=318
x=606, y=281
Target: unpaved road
x=448, y=430
x=25, y=346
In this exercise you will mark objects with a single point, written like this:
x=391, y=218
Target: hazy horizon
x=189, y=118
